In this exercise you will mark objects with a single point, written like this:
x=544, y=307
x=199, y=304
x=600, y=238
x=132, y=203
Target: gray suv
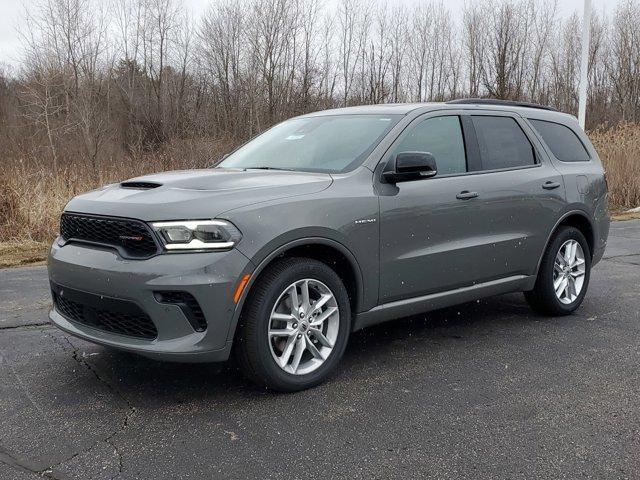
x=328, y=223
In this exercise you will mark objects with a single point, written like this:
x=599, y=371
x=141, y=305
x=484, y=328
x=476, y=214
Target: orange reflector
x=240, y=289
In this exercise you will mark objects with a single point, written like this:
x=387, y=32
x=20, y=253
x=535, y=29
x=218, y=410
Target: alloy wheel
x=569, y=272
x=303, y=327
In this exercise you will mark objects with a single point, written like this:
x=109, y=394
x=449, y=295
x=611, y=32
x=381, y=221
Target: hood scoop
x=140, y=185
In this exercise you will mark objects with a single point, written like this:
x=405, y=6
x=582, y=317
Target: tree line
x=100, y=80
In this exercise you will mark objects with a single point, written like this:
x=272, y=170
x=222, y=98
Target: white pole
x=584, y=64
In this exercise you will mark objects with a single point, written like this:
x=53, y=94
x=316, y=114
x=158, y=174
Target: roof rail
x=491, y=101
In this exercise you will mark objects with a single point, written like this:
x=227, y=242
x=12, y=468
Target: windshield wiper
x=270, y=168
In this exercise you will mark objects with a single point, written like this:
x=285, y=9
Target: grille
x=119, y=316
x=132, y=238
x=189, y=306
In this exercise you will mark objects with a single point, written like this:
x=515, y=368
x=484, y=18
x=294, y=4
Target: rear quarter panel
x=585, y=183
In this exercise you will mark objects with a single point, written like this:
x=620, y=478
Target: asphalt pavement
x=484, y=390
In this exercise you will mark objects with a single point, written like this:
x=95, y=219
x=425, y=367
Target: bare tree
x=43, y=106
x=353, y=21
x=544, y=22
x=501, y=73
x=624, y=69
x=474, y=44
x=140, y=77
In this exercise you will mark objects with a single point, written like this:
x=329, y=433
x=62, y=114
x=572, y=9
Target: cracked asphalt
x=484, y=390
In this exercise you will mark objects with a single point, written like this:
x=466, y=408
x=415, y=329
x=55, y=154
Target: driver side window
x=440, y=136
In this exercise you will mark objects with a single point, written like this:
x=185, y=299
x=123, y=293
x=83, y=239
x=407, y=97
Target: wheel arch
x=328, y=251
x=574, y=218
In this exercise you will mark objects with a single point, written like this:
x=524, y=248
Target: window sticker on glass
x=385, y=119
x=294, y=137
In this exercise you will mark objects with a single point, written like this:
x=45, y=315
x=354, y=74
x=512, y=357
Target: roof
x=378, y=109
x=523, y=108
x=496, y=102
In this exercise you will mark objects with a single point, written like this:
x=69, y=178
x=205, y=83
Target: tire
x=261, y=346
x=543, y=298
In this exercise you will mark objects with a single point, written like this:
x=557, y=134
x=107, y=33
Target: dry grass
x=15, y=254
x=31, y=197
x=621, y=217
x=619, y=149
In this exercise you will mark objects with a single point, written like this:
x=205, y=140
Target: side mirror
x=407, y=166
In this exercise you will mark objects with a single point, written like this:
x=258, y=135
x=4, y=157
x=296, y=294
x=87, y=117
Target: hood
x=196, y=194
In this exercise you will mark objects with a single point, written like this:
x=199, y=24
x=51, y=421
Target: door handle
x=550, y=185
x=466, y=195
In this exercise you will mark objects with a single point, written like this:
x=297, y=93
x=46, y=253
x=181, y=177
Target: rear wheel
x=295, y=326
x=564, y=274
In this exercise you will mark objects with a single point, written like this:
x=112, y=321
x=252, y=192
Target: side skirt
x=434, y=301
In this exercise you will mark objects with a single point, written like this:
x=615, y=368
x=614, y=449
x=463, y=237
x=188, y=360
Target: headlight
x=197, y=234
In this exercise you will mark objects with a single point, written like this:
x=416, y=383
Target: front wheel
x=564, y=274
x=295, y=325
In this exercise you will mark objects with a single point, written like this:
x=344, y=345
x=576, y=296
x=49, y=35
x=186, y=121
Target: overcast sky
x=12, y=13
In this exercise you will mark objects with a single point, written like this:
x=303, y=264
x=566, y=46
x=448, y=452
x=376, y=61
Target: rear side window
x=563, y=142
x=502, y=143
x=440, y=136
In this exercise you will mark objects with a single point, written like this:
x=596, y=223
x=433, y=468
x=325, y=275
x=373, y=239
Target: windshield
x=331, y=144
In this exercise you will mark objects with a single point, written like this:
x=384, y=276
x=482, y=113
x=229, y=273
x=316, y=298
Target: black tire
x=543, y=298
x=252, y=347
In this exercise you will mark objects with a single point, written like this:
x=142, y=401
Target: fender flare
x=262, y=264
x=562, y=218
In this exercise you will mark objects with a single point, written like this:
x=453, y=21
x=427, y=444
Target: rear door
x=480, y=218
x=520, y=193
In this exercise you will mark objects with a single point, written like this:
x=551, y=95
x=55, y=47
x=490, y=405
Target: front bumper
x=210, y=277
